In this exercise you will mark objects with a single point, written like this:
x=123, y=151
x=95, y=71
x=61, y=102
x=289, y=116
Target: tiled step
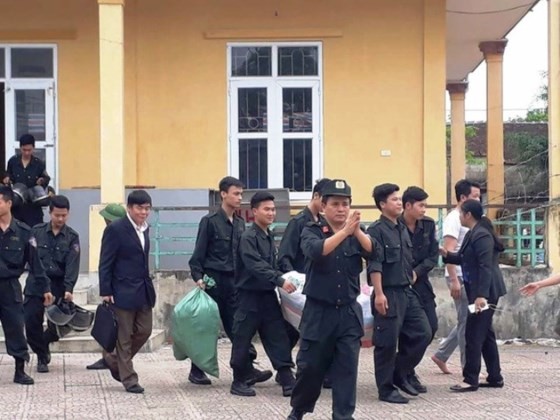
x=86, y=344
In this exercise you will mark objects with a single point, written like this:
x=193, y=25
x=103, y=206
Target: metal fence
x=522, y=229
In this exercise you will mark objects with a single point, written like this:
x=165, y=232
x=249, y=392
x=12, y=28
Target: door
x=30, y=109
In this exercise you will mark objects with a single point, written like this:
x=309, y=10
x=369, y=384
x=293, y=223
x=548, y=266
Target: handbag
x=105, y=327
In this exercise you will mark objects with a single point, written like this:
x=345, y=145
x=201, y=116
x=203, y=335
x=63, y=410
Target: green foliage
x=531, y=149
x=470, y=132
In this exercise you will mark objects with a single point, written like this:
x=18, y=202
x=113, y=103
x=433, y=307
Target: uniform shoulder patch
x=33, y=241
x=76, y=247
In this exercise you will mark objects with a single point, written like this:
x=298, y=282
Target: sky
x=525, y=59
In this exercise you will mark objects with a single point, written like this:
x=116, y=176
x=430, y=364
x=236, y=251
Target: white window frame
x=49, y=84
x=274, y=85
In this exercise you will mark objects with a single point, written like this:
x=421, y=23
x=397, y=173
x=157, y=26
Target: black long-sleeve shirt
x=60, y=256
x=394, y=257
x=425, y=254
x=290, y=255
x=28, y=175
x=217, y=243
x=18, y=248
x=334, y=278
x=256, y=261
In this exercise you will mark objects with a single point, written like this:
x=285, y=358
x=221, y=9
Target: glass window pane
x=298, y=163
x=32, y=62
x=251, y=61
x=30, y=113
x=2, y=63
x=298, y=61
x=253, y=163
x=251, y=108
x=297, y=110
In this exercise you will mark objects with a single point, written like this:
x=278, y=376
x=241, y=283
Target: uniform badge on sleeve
x=76, y=248
x=33, y=242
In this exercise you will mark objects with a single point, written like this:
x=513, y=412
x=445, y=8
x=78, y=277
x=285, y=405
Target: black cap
x=337, y=187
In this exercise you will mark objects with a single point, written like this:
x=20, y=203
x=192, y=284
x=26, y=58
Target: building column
x=494, y=55
x=434, y=150
x=553, y=222
x=457, y=91
x=111, y=92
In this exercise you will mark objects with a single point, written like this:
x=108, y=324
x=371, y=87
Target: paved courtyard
x=70, y=391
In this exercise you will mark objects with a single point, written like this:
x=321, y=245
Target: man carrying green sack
x=195, y=329
x=215, y=255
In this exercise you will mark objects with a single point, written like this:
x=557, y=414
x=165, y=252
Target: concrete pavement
x=70, y=391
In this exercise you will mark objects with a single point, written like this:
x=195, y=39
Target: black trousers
x=225, y=295
x=259, y=312
x=330, y=341
x=29, y=214
x=401, y=337
x=11, y=316
x=480, y=341
x=34, y=311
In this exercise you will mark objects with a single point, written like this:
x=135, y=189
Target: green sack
x=195, y=328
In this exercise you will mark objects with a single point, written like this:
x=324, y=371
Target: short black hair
x=138, y=197
x=319, y=185
x=413, y=194
x=259, y=197
x=229, y=181
x=27, y=139
x=473, y=207
x=464, y=187
x=59, y=202
x=381, y=192
x=6, y=193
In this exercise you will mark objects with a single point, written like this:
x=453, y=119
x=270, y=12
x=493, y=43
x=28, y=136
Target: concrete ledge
x=86, y=344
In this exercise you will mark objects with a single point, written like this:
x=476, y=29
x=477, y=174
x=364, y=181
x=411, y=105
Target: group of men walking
x=326, y=241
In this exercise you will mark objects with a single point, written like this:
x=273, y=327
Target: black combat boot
x=20, y=377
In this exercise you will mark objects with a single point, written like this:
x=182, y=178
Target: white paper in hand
x=297, y=279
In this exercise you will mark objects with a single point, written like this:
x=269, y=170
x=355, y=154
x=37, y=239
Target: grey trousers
x=457, y=335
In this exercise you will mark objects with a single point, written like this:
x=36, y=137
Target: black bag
x=105, y=327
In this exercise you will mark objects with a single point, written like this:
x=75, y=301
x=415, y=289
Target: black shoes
x=135, y=389
x=296, y=414
x=287, y=380
x=394, y=398
x=198, y=377
x=416, y=384
x=499, y=384
x=20, y=377
x=99, y=365
x=115, y=375
x=258, y=376
x=42, y=366
x=241, y=389
x=406, y=386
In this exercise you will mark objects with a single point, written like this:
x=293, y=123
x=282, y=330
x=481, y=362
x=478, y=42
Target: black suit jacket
x=478, y=258
x=123, y=267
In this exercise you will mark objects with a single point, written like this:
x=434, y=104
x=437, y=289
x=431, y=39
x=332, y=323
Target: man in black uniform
x=258, y=309
x=59, y=250
x=29, y=170
x=215, y=254
x=332, y=321
x=398, y=314
x=290, y=255
x=18, y=247
x=425, y=252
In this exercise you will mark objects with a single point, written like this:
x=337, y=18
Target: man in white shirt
x=453, y=235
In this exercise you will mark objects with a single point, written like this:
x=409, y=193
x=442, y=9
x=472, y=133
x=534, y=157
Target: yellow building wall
x=176, y=85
